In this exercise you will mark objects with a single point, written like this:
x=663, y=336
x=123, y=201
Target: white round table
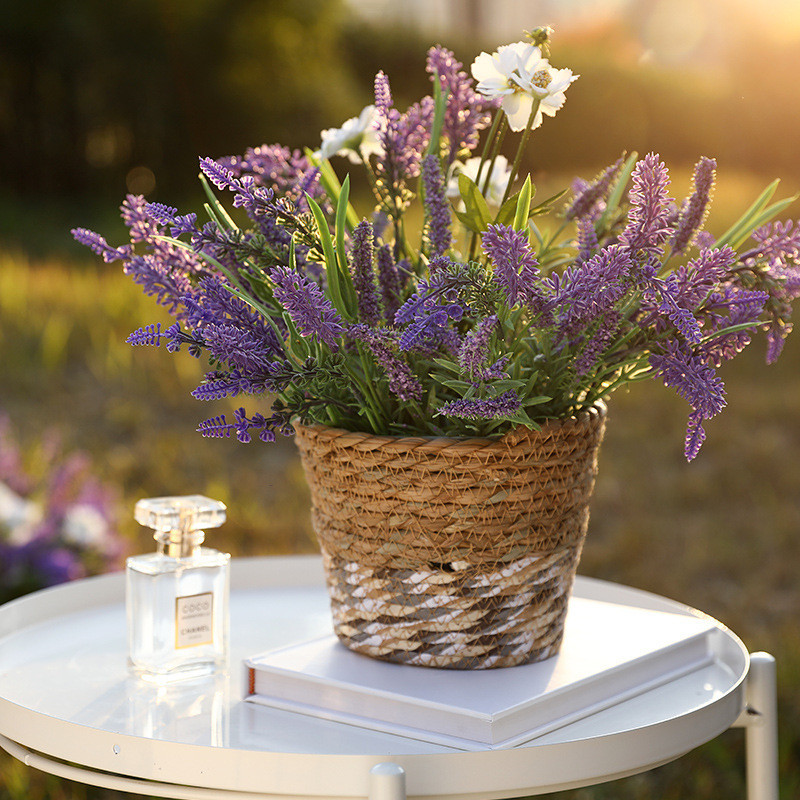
x=69, y=707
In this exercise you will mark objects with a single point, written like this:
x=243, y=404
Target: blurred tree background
x=99, y=99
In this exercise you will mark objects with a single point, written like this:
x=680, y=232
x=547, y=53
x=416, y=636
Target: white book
x=610, y=653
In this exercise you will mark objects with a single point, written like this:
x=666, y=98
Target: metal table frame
x=42, y=741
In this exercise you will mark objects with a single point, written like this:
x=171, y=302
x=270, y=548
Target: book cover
x=610, y=652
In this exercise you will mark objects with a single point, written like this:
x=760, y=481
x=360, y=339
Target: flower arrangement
x=501, y=312
x=57, y=522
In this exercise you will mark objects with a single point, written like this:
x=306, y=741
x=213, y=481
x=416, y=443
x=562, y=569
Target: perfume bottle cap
x=178, y=522
x=187, y=513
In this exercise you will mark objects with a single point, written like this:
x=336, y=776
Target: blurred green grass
x=721, y=534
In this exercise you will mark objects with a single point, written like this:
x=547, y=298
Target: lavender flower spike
x=515, y=267
x=401, y=379
x=647, y=227
x=98, y=245
x=474, y=351
x=361, y=255
x=389, y=282
x=308, y=308
x=589, y=195
x=695, y=210
x=383, y=94
x=436, y=206
x=505, y=405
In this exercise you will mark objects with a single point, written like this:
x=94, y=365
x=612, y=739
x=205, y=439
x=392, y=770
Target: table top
x=65, y=693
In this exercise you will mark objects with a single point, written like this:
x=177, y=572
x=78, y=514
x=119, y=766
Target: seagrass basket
x=453, y=553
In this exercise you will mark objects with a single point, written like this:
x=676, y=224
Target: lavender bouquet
x=501, y=311
x=57, y=521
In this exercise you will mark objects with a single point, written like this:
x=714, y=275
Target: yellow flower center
x=541, y=78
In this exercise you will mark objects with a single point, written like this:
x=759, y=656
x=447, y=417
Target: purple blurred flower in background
x=56, y=526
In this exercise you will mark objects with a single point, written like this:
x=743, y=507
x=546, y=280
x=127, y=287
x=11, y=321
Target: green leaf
x=545, y=205
x=219, y=210
x=347, y=288
x=457, y=386
x=762, y=219
x=523, y=210
x=335, y=279
x=743, y=222
x=470, y=222
x=619, y=188
x=529, y=402
x=330, y=183
x=439, y=105
x=476, y=208
x=450, y=366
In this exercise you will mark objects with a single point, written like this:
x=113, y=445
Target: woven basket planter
x=454, y=553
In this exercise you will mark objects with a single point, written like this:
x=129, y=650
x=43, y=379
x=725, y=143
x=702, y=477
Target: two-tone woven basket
x=456, y=553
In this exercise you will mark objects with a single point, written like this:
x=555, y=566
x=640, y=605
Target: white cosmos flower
x=357, y=138
x=518, y=73
x=498, y=181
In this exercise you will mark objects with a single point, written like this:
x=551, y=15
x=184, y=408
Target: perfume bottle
x=177, y=597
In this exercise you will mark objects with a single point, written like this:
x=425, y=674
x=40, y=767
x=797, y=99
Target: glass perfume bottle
x=177, y=597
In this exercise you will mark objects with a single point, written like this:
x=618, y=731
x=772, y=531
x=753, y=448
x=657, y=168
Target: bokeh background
x=98, y=99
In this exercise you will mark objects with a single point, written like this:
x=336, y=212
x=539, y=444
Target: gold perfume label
x=194, y=620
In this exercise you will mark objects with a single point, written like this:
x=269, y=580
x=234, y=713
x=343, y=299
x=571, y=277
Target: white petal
x=494, y=87
x=518, y=108
x=484, y=68
x=560, y=79
x=553, y=103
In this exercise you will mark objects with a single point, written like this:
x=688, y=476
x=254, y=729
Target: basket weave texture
x=454, y=553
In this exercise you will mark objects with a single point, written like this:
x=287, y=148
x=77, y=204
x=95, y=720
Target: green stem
x=523, y=142
x=491, y=149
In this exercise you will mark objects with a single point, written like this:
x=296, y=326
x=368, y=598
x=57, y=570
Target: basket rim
x=598, y=411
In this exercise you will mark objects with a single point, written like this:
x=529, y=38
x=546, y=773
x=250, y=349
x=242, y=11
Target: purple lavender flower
x=733, y=306
x=647, y=227
x=256, y=200
x=695, y=279
x=383, y=94
x=140, y=224
x=515, y=266
x=474, y=351
x=427, y=315
x=587, y=238
x=56, y=565
x=275, y=167
x=688, y=372
x=98, y=245
x=381, y=343
x=310, y=311
x=389, y=282
x=467, y=112
x=218, y=427
x=243, y=350
x=168, y=286
x=682, y=318
x=404, y=138
x=361, y=258
x=436, y=206
x=587, y=291
x=504, y=405
x=695, y=210
x=149, y=335
x=166, y=215
x=695, y=436
x=214, y=304
x=589, y=195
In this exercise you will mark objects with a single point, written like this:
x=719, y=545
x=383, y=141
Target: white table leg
x=387, y=781
x=761, y=733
